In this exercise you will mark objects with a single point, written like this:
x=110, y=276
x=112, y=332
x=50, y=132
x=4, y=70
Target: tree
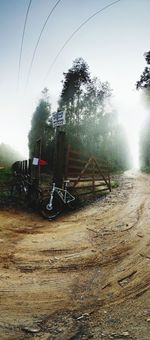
x=145, y=145
x=95, y=116
x=75, y=80
x=40, y=124
x=8, y=155
x=83, y=99
x=144, y=82
x=90, y=119
x=144, y=85
x=91, y=123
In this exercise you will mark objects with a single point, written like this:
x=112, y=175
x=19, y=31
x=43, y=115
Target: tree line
x=8, y=155
x=144, y=85
x=91, y=122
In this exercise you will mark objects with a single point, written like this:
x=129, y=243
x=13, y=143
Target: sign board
x=35, y=161
x=58, y=118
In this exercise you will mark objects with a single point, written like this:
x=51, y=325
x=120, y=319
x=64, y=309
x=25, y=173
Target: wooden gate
x=86, y=174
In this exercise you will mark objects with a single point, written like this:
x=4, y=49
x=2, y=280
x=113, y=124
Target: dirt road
x=85, y=275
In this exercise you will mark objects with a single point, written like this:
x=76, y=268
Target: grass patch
x=5, y=176
x=114, y=184
x=146, y=169
x=5, y=186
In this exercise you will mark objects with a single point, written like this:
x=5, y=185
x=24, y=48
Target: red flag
x=42, y=162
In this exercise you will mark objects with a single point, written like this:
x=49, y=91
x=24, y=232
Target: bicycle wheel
x=73, y=204
x=35, y=197
x=56, y=209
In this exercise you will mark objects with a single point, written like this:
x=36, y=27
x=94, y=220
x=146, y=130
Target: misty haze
x=75, y=169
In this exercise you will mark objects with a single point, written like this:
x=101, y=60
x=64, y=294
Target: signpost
x=58, y=118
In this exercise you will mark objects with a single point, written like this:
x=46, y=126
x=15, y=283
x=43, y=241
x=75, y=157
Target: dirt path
x=85, y=275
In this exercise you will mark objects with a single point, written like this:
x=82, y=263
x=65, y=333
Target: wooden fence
x=86, y=174
x=22, y=167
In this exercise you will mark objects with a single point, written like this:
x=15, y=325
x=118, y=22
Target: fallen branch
x=126, y=277
x=146, y=256
x=94, y=231
x=107, y=285
x=128, y=228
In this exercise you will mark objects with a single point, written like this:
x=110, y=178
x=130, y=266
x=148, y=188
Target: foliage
x=76, y=79
x=144, y=82
x=114, y=184
x=91, y=122
x=41, y=126
x=76, y=76
x=144, y=85
x=145, y=144
x=5, y=186
x=8, y=155
x=145, y=169
x=5, y=175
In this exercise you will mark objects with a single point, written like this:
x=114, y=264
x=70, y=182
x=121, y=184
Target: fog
x=132, y=111
x=8, y=155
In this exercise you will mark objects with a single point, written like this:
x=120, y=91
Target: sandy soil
x=85, y=275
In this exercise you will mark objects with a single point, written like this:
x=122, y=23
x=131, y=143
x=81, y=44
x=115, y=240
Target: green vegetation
x=5, y=175
x=8, y=155
x=41, y=127
x=91, y=122
x=114, y=184
x=144, y=85
x=144, y=82
x=5, y=186
x=145, y=169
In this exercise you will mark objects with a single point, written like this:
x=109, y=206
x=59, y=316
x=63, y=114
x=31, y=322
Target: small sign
x=58, y=118
x=35, y=161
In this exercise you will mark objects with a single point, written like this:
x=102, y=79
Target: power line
x=74, y=32
x=38, y=40
x=22, y=39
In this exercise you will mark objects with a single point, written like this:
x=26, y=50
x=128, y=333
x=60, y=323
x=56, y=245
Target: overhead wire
x=39, y=38
x=22, y=39
x=77, y=30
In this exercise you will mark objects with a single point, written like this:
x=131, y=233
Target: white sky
x=112, y=43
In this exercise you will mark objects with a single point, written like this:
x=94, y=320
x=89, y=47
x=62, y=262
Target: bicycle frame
x=64, y=195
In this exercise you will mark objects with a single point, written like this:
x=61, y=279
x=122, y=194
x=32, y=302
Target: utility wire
x=74, y=32
x=22, y=40
x=37, y=43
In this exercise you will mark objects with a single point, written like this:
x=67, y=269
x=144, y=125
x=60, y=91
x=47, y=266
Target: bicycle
x=26, y=191
x=19, y=186
x=53, y=205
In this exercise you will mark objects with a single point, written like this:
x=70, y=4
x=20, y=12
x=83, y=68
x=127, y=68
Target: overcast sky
x=112, y=43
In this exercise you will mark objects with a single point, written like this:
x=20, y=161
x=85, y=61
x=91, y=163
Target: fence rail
x=86, y=175
x=81, y=170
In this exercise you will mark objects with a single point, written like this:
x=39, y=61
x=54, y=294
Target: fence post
x=67, y=160
x=36, y=168
x=109, y=181
x=25, y=167
x=59, y=158
x=29, y=167
x=93, y=176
